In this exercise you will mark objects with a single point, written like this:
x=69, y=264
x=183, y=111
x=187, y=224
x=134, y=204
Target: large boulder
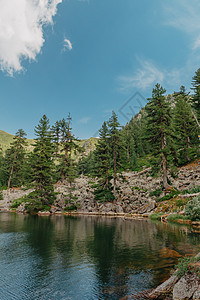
x=186, y=287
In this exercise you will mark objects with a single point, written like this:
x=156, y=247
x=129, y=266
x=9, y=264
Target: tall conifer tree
x=186, y=130
x=43, y=166
x=115, y=144
x=159, y=130
x=15, y=158
x=102, y=158
x=196, y=88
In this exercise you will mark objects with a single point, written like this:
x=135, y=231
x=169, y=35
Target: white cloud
x=147, y=75
x=184, y=15
x=67, y=44
x=21, y=30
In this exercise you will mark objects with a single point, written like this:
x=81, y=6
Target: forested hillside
x=163, y=137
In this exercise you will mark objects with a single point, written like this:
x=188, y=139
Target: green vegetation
x=188, y=265
x=5, y=139
x=192, y=209
x=155, y=193
x=163, y=136
x=172, y=194
x=194, y=190
x=19, y=201
x=175, y=217
x=156, y=216
x=159, y=131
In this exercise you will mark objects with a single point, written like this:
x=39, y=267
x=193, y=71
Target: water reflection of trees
x=116, y=248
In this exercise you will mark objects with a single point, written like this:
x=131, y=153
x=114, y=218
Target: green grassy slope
x=7, y=138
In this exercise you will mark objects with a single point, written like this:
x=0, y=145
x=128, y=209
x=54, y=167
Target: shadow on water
x=61, y=257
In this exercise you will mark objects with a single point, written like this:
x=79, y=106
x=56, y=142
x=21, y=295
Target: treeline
x=163, y=135
x=51, y=159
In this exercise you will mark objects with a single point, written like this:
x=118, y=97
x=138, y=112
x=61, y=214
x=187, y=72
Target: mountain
x=7, y=138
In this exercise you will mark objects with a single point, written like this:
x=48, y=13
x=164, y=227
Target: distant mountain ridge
x=7, y=138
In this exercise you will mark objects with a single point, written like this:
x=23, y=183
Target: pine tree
x=186, y=130
x=3, y=175
x=128, y=157
x=159, y=130
x=103, y=191
x=196, y=88
x=15, y=158
x=116, y=146
x=42, y=167
x=56, y=132
x=68, y=146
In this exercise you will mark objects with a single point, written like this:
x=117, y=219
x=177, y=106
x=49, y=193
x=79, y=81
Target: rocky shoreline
x=179, y=288
x=133, y=202
x=132, y=194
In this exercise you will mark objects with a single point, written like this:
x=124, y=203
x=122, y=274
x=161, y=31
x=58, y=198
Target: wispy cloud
x=21, y=30
x=143, y=77
x=67, y=44
x=146, y=75
x=184, y=15
x=84, y=120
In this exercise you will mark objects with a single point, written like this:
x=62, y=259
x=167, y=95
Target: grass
x=6, y=139
x=175, y=217
x=156, y=216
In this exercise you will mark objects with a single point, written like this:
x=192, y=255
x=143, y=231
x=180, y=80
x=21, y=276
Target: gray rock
x=196, y=295
x=185, y=287
x=119, y=209
x=164, y=289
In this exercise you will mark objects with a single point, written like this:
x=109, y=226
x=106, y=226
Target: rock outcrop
x=178, y=288
x=132, y=193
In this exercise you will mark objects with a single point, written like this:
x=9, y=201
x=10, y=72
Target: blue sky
x=89, y=57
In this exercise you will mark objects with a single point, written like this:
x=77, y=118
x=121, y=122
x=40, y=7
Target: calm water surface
x=86, y=257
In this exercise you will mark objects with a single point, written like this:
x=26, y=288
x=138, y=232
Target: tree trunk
x=11, y=172
x=164, y=161
x=10, y=177
x=164, y=166
x=115, y=164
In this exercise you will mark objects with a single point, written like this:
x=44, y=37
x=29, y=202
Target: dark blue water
x=86, y=257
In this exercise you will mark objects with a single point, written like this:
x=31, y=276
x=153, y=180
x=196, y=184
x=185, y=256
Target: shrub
x=181, y=202
x=194, y=190
x=17, y=202
x=3, y=188
x=156, y=216
x=173, y=194
x=1, y=195
x=73, y=207
x=35, y=205
x=192, y=209
x=187, y=265
x=155, y=193
x=174, y=217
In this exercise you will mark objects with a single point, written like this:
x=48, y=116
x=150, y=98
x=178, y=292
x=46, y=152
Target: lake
x=62, y=257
